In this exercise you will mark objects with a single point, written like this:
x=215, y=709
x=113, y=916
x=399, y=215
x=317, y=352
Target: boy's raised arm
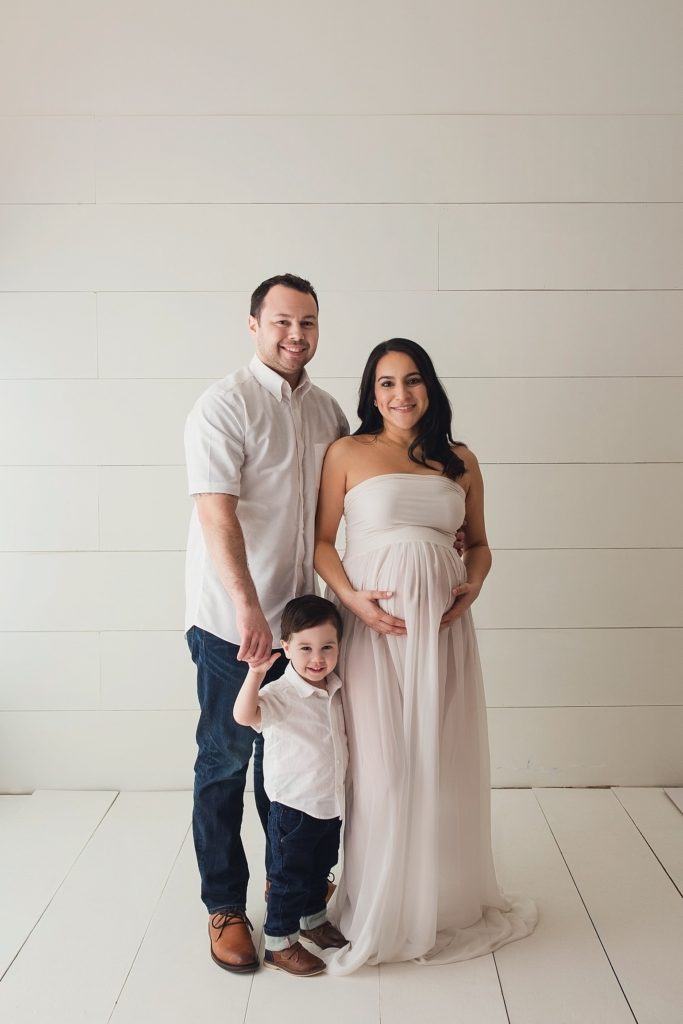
x=247, y=711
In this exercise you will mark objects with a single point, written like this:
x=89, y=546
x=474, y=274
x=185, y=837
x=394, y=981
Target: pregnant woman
x=418, y=879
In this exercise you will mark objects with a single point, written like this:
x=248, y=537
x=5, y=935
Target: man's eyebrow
x=308, y=316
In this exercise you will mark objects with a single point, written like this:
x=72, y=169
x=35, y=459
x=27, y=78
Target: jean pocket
x=291, y=822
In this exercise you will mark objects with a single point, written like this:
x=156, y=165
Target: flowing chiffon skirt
x=418, y=878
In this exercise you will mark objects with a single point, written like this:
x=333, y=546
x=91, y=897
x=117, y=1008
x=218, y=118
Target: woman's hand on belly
x=464, y=595
x=364, y=605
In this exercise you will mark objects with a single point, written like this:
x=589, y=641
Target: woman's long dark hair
x=434, y=436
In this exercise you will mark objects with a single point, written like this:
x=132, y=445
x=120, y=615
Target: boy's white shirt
x=305, y=752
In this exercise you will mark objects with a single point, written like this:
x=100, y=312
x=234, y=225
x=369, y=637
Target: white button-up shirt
x=252, y=436
x=305, y=755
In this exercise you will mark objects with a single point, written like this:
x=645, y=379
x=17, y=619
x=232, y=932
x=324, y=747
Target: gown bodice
x=397, y=507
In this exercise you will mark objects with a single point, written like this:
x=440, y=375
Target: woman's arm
x=327, y=519
x=477, y=554
x=363, y=603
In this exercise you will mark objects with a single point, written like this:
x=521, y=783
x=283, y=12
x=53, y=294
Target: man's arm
x=225, y=544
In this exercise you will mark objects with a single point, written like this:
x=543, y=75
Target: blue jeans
x=303, y=852
x=224, y=752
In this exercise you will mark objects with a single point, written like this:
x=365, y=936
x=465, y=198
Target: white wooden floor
x=100, y=920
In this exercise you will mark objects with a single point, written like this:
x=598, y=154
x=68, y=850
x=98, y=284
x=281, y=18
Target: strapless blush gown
x=418, y=880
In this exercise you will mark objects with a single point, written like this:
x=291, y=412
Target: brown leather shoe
x=294, y=959
x=325, y=936
x=232, y=947
x=328, y=895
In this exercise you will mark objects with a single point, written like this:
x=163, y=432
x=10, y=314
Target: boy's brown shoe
x=232, y=947
x=295, y=960
x=325, y=936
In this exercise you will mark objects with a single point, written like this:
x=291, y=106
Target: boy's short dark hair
x=299, y=284
x=308, y=611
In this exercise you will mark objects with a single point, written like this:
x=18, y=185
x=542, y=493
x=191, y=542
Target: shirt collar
x=305, y=689
x=277, y=385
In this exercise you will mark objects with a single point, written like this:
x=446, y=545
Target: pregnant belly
x=420, y=575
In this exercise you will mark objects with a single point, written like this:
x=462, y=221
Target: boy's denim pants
x=303, y=852
x=224, y=751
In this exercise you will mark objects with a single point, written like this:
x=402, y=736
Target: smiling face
x=286, y=331
x=400, y=391
x=313, y=652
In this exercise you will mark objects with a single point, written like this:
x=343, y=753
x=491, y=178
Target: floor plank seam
x=151, y=918
x=253, y=979
x=502, y=991
x=585, y=907
x=54, y=894
x=649, y=845
x=246, y=1005
x=379, y=993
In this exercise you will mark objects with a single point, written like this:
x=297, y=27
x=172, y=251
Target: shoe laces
x=224, y=919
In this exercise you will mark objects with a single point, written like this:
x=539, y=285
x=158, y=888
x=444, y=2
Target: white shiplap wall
x=502, y=182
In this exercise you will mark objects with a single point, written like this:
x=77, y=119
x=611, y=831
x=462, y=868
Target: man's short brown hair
x=299, y=284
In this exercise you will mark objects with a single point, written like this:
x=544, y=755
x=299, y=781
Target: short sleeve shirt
x=251, y=436
x=305, y=751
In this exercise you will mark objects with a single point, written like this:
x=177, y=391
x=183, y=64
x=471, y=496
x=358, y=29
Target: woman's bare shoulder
x=351, y=442
x=344, y=451
x=466, y=454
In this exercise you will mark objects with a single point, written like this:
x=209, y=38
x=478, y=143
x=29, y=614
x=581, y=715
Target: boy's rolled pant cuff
x=313, y=920
x=277, y=942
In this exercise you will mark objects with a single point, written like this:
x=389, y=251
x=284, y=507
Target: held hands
x=255, y=635
x=364, y=605
x=464, y=595
x=246, y=710
x=262, y=667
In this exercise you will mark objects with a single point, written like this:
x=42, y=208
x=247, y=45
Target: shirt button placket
x=295, y=408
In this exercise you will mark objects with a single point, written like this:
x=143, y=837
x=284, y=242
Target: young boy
x=305, y=757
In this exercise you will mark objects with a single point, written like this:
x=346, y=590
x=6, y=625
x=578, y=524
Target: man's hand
x=464, y=595
x=364, y=605
x=256, y=639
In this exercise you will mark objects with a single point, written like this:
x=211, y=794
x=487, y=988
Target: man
x=254, y=442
